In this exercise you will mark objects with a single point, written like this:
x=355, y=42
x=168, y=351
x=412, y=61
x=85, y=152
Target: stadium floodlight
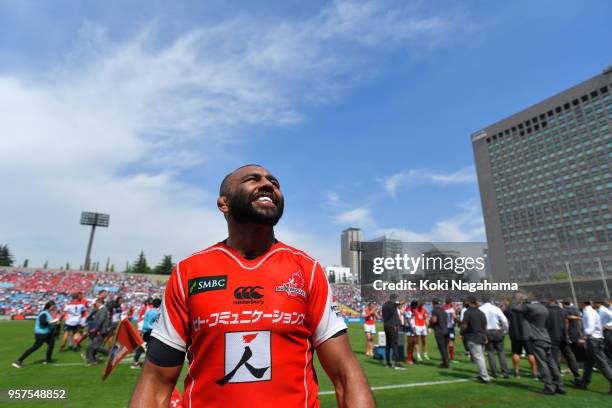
x=95, y=220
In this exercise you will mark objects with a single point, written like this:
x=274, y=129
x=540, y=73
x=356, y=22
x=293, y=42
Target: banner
x=126, y=340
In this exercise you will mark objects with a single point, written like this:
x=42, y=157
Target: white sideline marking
x=390, y=387
x=103, y=363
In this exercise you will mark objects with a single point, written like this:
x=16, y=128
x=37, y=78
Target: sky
x=362, y=109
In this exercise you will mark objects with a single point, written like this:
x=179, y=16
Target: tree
x=560, y=276
x=141, y=266
x=46, y=265
x=165, y=266
x=26, y=263
x=6, y=258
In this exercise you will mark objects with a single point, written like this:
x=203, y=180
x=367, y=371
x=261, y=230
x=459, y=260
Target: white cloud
x=109, y=127
x=466, y=226
x=410, y=178
x=357, y=217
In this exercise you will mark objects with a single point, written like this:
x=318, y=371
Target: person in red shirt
x=369, y=326
x=420, y=328
x=249, y=313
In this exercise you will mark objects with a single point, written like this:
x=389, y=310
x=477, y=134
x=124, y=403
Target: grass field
x=404, y=388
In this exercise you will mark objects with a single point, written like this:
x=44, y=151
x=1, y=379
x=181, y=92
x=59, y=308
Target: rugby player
x=74, y=311
x=420, y=328
x=369, y=326
x=249, y=313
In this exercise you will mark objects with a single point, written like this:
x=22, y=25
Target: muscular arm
x=340, y=364
x=155, y=386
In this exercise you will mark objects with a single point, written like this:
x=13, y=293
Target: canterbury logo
x=248, y=292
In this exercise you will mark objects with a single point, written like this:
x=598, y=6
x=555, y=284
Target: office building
x=349, y=258
x=545, y=183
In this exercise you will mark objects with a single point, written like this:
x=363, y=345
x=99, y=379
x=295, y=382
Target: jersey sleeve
x=323, y=314
x=172, y=327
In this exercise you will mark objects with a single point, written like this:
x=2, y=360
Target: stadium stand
x=23, y=292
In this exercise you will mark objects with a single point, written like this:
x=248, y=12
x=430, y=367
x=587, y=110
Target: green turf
x=86, y=389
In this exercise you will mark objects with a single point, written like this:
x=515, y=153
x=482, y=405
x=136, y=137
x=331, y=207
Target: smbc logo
x=248, y=292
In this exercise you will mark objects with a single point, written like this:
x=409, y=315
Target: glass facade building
x=545, y=179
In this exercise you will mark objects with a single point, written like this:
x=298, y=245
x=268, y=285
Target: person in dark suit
x=558, y=336
x=474, y=332
x=391, y=323
x=439, y=324
x=536, y=315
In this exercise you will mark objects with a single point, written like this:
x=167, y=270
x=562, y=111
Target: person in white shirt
x=605, y=314
x=497, y=327
x=593, y=337
x=73, y=313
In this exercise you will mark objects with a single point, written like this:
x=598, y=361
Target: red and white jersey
x=420, y=316
x=74, y=312
x=369, y=315
x=249, y=327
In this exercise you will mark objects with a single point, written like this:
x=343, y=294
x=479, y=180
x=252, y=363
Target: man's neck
x=250, y=240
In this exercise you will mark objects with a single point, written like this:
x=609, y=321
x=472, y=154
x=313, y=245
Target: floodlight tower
x=95, y=220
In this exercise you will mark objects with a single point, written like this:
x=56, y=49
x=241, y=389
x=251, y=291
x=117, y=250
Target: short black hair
x=435, y=301
x=49, y=304
x=224, y=187
x=156, y=302
x=393, y=297
x=471, y=299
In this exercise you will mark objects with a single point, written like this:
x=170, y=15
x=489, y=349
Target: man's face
x=255, y=197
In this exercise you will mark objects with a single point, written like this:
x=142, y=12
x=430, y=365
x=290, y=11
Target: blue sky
x=363, y=110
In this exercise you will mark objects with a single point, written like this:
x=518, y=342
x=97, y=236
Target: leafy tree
x=46, y=265
x=165, y=266
x=67, y=266
x=6, y=258
x=112, y=268
x=141, y=266
x=560, y=276
x=26, y=263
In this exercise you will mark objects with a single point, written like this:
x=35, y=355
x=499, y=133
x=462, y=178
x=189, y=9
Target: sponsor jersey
x=450, y=316
x=74, y=312
x=419, y=316
x=409, y=322
x=249, y=327
x=368, y=314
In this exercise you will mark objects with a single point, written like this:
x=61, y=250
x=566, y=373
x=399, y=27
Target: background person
x=410, y=332
x=594, y=354
x=100, y=326
x=497, y=327
x=369, y=326
x=149, y=319
x=557, y=330
x=474, y=332
x=438, y=322
x=518, y=329
x=420, y=328
x=391, y=323
x=451, y=320
x=74, y=312
x=44, y=332
x=536, y=315
x=605, y=315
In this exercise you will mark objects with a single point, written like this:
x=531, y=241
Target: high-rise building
x=349, y=258
x=545, y=178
